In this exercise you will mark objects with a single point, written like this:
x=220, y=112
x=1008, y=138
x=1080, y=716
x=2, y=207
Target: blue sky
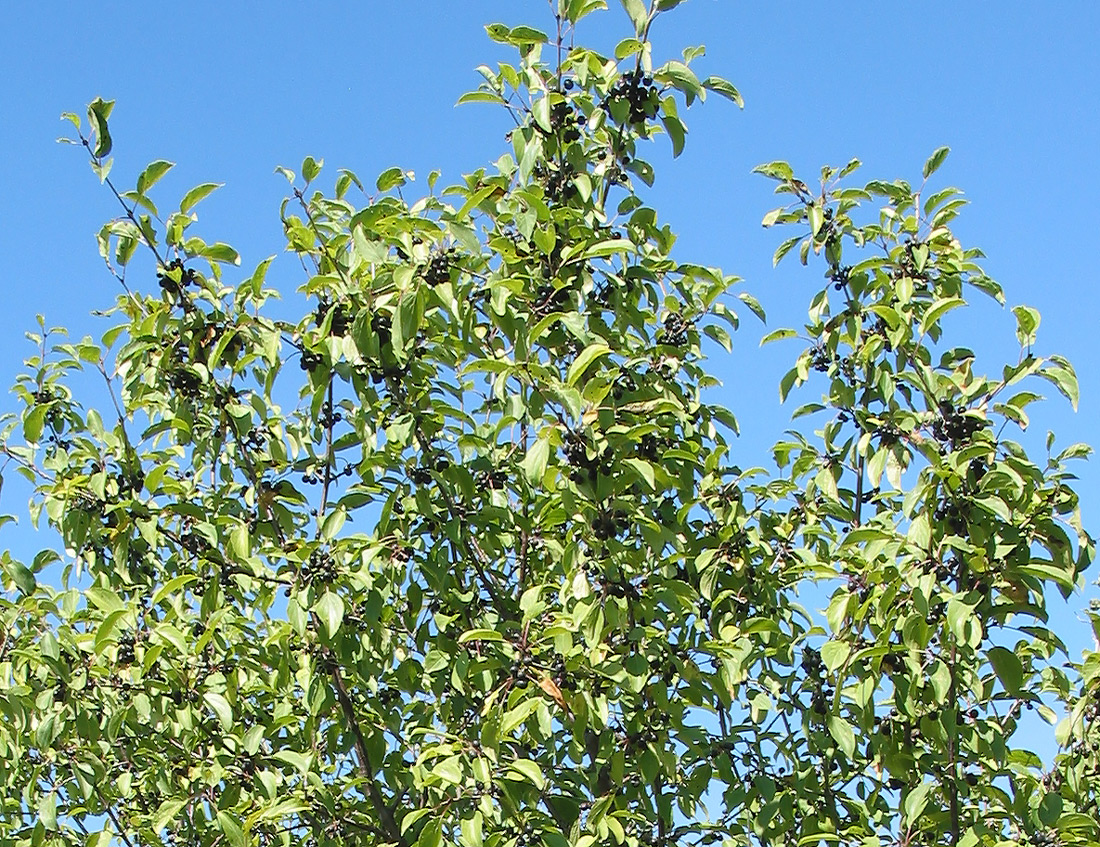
x=229, y=91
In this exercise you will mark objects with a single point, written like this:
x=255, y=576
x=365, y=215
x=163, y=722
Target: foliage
x=461, y=556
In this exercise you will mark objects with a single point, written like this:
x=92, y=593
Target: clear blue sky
x=230, y=90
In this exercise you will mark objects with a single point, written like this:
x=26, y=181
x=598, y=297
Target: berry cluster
x=637, y=91
x=192, y=542
x=1052, y=781
x=520, y=833
x=888, y=434
x=549, y=299
x=493, y=480
x=130, y=482
x=328, y=416
x=125, y=655
x=186, y=382
x=558, y=182
x=566, y=120
x=909, y=265
x=1045, y=838
x=254, y=439
x=388, y=696
x=814, y=667
x=382, y=326
x=882, y=329
x=315, y=476
x=577, y=450
x=839, y=275
x=608, y=524
x=341, y=317
x=310, y=361
x=166, y=277
x=858, y=585
x=1092, y=710
x=675, y=330
x=320, y=567
x=650, y=446
x=955, y=426
x=954, y=514
x=438, y=269
x=624, y=383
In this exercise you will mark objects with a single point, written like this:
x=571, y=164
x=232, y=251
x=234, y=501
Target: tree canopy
x=462, y=555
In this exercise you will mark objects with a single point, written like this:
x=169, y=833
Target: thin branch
x=393, y=832
x=114, y=819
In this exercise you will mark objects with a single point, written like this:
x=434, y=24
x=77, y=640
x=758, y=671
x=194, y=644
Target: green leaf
x=34, y=420
x=432, y=834
x=721, y=86
x=472, y=831
x=449, y=770
x=412, y=817
x=166, y=813
x=528, y=771
x=598, y=250
x=677, y=133
x=534, y=463
x=302, y=762
x=47, y=810
x=98, y=112
x=389, y=179
x=784, y=248
x=681, y=77
x=152, y=174
x=410, y=315
x=934, y=161
x=192, y=197
x=834, y=654
x=515, y=716
x=333, y=523
x=775, y=170
x=1027, y=324
x=527, y=35
x=220, y=252
x=220, y=707
x=628, y=47
x=937, y=310
x=234, y=834
x=586, y=357
x=240, y=547
x=1060, y=372
x=106, y=630
x=475, y=200
x=21, y=576
x=1007, y=666
x=104, y=599
x=1050, y=809
x=644, y=469
x=480, y=635
x=540, y=111
x=638, y=16
x=330, y=609
x=778, y=335
x=842, y=733
x=916, y=800
x=311, y=168
x=480, y=97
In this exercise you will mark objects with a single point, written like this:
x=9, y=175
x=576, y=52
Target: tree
x=461, y=555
